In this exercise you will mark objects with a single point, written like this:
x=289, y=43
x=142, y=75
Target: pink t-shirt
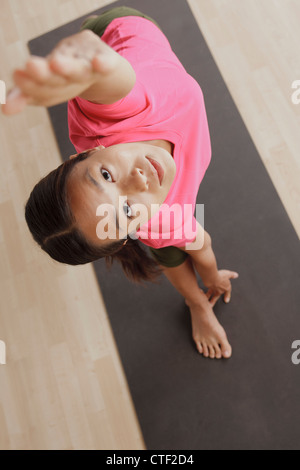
x=165, y=103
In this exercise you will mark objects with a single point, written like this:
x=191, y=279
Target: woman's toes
x=218, y=351
x=199, y=347
x=205, y=350
x=226, y=349
x=212, y=353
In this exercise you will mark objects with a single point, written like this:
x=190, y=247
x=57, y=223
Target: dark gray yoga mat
x=184, y=401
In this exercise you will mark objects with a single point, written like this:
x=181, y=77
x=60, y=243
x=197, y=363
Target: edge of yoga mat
x=184, y=401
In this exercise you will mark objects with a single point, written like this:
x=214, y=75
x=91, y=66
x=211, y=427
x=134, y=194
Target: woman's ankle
x=198, y=299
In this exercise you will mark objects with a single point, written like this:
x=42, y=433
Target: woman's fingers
x=25, y=83
x=15, y=102
x=227, y=296
x=214, y=299
x=65, y=73
x=57, y=69
x=36, y=77
x=233, y=275
x=209, y=293
x=213, y=296
x=224, y=288
x=38, y=69
x=74, y=68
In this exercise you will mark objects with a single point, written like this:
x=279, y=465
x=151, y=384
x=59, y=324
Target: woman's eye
x=106, y=175
x=127, y=210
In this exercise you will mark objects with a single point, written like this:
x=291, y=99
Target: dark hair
x=53, y=227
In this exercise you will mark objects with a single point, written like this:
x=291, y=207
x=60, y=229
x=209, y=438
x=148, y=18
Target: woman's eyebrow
x=99, y=186
x=95, y=182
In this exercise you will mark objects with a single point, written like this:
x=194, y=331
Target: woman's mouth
x=158, y=168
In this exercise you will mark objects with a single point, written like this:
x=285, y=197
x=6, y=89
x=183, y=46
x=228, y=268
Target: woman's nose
x=139, y=180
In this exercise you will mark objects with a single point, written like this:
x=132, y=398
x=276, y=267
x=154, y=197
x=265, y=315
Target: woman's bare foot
x=208, y=334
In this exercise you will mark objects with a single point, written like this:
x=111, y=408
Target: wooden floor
x=63, y=386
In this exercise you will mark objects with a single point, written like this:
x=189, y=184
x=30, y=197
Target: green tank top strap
x=170, y=256
x=98, y=24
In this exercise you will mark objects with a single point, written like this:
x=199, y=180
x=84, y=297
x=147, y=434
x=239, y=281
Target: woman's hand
x=80, y=65
x=221, y=285
x=204, y=261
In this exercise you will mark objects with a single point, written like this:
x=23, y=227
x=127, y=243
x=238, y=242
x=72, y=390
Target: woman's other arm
x=80, y=65
x=204, y=260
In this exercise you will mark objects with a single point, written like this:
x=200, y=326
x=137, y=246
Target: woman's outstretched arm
x=80, y=65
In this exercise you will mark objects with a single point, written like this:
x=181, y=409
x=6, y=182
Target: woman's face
x=113, y=191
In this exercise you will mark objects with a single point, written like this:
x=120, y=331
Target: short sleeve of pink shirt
x=165, y=103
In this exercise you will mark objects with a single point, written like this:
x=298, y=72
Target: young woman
x=138, y=123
